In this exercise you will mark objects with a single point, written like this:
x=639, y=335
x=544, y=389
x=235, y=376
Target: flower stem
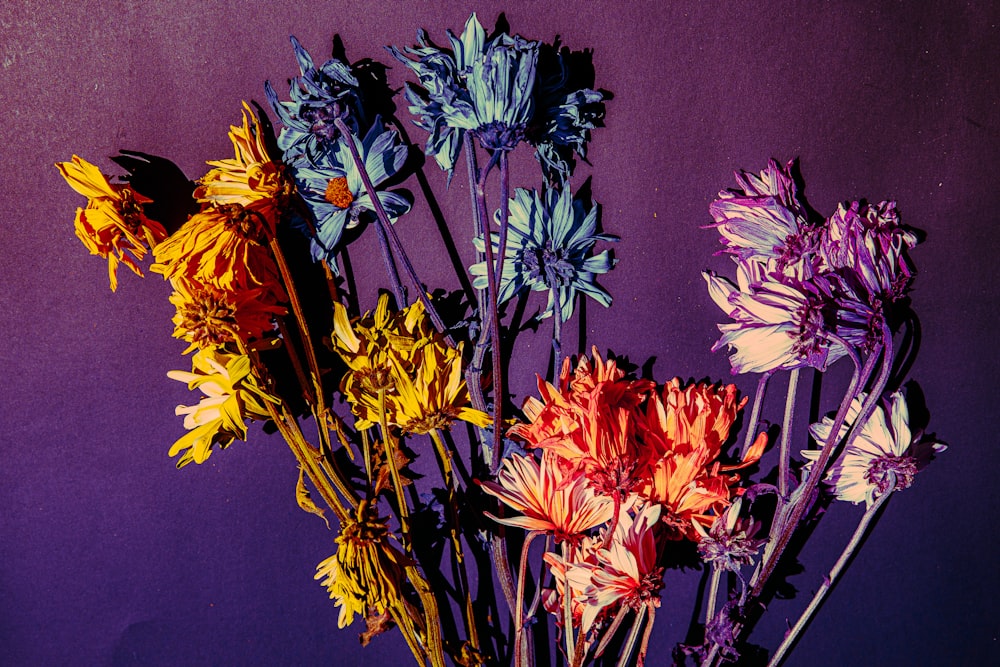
x=390, y=232
x=397, y=484
x=633, y=636
x=520, y=656
x=786, y=435
x=713, y=593
x=556, y=333
x=567, y=607
x=758, y=402
x=831, y=579
x=390, y=268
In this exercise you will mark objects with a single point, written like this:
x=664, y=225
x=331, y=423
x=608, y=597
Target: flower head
x=319, y=96
x=765, y=219
x=225, y=247
x=550, y=238
x=252, y=178
x=884, y=445
x=548, y=497
x=731, y=541
x=366, y=574
x=331, y=186
x=779, y=324
x=112, y=225
x=208, y=317
x=231, y=396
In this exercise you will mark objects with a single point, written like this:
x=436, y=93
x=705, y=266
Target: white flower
x=861, y=473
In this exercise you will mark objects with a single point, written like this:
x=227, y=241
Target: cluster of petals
x=401, y=370
x=208, y=317
x=806, y=287
x=885, y=444
x=231, y=395
x=113, y=224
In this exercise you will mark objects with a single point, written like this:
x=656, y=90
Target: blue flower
x=332, y=188
x=549, y=238
x=318, y=98
x=503, y=92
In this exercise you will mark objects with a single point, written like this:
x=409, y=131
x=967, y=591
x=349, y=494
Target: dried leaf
x=304, y=499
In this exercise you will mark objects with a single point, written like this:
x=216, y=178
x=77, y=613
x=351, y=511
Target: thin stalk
x=609, y=634
x=293, y=356
x=556, y=333
x=456, y=541
x=758, y=402
x=402, y=618
x=644, y=646
x=390, y=268
x=633, y=636
x=432, y=618
x=568, y=608
x=390, y=232
x=397, y=482
x=520, y=657
x=784, y=451
x=835, y=572
x=713, y=593
x=504, y=213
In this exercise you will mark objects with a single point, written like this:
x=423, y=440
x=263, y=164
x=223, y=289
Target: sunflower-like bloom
x=778, y=324
x=366, y=574
x=550, y=238
x=400, y=356
x=588, y=422
x=319, y=97
x=208, y=317
x=765, y=219
x=884, y=445
x=627, y=575
x=252, y=178
x=548, y=497
x=113, y=225
x=232, y=395
x=331, y=186
x=225, y=247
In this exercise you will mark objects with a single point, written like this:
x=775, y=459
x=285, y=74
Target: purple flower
x=765, y=219
x=778, y=325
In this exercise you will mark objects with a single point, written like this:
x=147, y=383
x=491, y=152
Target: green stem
x=784, y=451
x=633, y=636
x=397, y=483
x=713, y=593
x=758, y=401
x=567, y=606
x=520, y=657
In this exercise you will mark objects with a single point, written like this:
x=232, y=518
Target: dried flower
x=365, y=576
x=730, y=543
x=208, y=317
x=232, y=395
x=883, y=445
x=113, y=225
x=549, y=498
x=550, y=237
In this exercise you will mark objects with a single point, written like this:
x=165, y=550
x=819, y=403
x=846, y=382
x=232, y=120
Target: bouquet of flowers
x=622, y=476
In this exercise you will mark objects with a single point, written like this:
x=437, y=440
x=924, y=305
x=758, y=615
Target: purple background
x=108, y=555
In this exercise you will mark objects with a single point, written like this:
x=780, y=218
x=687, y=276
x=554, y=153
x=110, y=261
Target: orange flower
x=208, y=317
x=224, y=247
x=588, y=422
x=548, y=498
x=251, y=179
x=113, y=224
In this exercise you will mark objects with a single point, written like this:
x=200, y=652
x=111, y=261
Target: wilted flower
x=331, y=186
x=225, y=247
x=231, y=396
x=730, y=543
x=252, y=179
x=113, y=225
x=319, y=97
x=765, y=219
x=549, y=499
x=883, y=445
x=627, y=574
x=208, y=317
x=366, y=574
x=779, y=325
x=549, y=239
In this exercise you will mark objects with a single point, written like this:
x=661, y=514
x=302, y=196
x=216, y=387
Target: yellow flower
x=208, y=317
x=401, y=355
x=251, y=179
x=231, y=396
x=225, y=247
x=113, y=224
x=366, y=573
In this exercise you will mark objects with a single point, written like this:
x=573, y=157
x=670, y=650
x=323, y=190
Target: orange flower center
x=337, y=192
